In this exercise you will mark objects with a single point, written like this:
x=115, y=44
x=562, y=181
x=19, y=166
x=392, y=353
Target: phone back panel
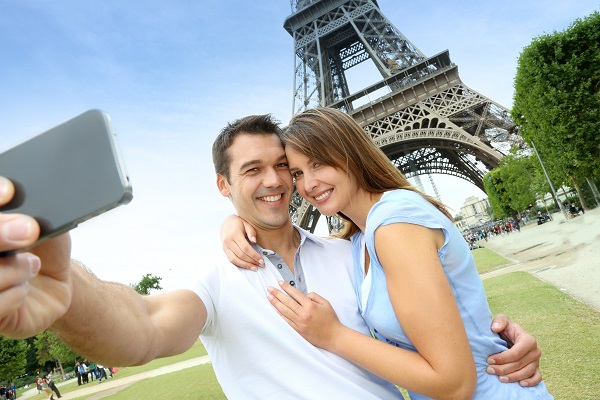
x=68, y=174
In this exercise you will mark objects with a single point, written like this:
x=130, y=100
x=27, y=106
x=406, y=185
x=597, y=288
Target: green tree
x=510, y=187
x=147, y=283
x=557, y=100
x=491, y=182
x=519, y=172
x=13, y=354
x=32, y=365
x=51, y=348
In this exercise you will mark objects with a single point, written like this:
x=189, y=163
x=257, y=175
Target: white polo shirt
x=257, y=355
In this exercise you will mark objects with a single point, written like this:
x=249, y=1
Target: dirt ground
x=565, y=253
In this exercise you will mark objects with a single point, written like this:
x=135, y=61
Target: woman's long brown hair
x=331, y=137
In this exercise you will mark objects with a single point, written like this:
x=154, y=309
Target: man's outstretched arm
x=106, y=321
x=121, y=327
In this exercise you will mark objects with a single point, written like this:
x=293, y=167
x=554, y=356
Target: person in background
x=100, y=373
x=46, y=389
x=12, y=391
x=52, y=385
x=77, y=373
x=38, y=384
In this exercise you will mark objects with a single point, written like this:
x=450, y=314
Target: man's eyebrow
x=249, y=163
x=258, y=162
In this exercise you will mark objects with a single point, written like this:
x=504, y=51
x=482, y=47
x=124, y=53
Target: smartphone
x=68, y=174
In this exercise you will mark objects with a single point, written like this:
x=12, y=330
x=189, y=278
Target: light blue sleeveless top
x=458, y=263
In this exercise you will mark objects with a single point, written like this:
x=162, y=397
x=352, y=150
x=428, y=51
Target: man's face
x=260, y=182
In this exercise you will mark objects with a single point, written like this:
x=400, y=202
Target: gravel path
x=563, y=253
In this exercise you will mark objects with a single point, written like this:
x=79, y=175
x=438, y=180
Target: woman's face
x=325, y=187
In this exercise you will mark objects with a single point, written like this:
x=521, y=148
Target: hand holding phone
x=67, y=175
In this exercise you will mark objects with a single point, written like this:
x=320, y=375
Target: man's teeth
x=271, y=198
x=322, y=196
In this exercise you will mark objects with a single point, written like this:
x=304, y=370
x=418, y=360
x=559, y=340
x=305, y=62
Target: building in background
x=474, y=212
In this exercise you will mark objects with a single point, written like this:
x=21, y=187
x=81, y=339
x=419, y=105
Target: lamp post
x=550, y=182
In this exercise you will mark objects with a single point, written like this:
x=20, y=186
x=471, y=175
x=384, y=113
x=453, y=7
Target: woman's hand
x=235, y=233
x=310, y=315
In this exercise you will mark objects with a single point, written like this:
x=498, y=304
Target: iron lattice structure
x=424, y=118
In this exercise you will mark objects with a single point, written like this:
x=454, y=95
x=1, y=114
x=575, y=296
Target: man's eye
x=283, y=165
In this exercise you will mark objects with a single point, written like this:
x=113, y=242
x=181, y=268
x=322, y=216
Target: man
x=52, y=386
x=254, y=352
x=77, y=373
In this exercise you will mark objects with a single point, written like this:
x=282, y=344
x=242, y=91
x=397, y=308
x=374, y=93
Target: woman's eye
x=296, y=174
x=316, y=165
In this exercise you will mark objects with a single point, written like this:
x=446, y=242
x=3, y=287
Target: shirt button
x=279, y=266
x=265, y=253
x=299, y=279
x=292, y=283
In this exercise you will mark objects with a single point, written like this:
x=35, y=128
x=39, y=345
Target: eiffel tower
x=423, y=117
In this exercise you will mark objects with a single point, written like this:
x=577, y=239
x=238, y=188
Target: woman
x=46, y=389
x=419, y=290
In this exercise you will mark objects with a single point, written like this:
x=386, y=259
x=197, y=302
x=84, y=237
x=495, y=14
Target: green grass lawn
x=567, y=331
x=486, y=260
x=192, y=383
x=197, y=350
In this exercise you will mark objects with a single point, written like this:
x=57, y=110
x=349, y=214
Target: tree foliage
x=513, y=186
x=557, y=98
x=32, y=357
x=491, y=184
x=13, y=356
x=51, y=348
x=147, y=283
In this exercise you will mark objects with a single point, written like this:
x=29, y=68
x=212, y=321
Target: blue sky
x=171, y=74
